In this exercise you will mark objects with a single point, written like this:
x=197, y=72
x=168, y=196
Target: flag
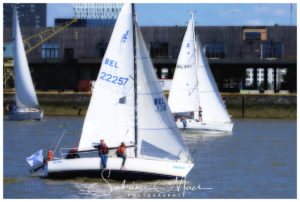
x=35, y=158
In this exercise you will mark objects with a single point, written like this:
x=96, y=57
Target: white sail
x=25, y=93
x=213, y=108
x=183, y=94
x=156, y=125
x=110, y=115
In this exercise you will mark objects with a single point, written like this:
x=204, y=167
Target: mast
x=135, y=81
x=194, y=38
x=195, y=52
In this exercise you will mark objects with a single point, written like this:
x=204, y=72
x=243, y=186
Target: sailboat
x=128, y=105
x=194, y=89
x=27, y=106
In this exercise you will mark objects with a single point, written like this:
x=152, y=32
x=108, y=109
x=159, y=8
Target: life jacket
x=103, y=149
x=50, y=155
x=121, y=150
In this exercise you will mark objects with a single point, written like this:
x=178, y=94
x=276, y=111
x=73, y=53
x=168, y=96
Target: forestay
x=155, y=122
x=110, y=115
x=213, y=108
x=25, y=93
x=183, y=94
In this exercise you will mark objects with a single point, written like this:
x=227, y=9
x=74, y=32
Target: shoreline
x=238, y=105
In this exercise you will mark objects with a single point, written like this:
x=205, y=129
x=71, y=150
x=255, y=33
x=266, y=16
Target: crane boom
x=42, y=37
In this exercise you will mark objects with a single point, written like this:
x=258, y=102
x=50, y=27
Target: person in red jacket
x=50, y=155
x=121, y=153
x=103, y=153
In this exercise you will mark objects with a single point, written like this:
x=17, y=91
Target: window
x=50, y=50
x=158, y=49
x=252, y=35
x=271, y=50
x=215, y=50
x=69, y=53
x=100, y=49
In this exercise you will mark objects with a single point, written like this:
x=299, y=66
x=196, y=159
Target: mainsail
x=183, y=94
x=213, y=108
x=25, y=93
x=110, y=115
x=156, y=125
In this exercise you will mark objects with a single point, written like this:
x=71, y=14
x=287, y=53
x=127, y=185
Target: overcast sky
x=205, y=13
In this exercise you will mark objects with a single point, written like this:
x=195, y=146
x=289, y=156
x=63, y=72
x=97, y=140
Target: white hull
x=191, y=124
x=135, y=168
x=26, y=114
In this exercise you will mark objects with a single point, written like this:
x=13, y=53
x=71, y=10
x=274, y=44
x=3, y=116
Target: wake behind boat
x=27, y=106
x=194, y=89
x=128, y=105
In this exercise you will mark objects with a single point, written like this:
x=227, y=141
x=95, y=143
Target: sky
x=206, y=14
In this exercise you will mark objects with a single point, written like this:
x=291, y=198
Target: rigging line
x=57, y=136
x=59, y=141
x=193, y=89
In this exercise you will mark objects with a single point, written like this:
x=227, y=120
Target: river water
x=258, y=160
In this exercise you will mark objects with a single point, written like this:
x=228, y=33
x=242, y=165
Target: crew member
x=200, y=114
x=121, y=153
x=103, y=153
x=73, y=154
x=183, y=121
x=50, y=155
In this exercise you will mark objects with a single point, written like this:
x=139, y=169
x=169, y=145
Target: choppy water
x=257, y=161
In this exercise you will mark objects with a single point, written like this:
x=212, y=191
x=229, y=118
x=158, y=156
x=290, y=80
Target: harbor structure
x=231, y=50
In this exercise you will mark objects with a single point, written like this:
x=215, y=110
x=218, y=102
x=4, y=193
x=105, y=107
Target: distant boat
x=27, y=106
x=128, y=105
x=194, y=86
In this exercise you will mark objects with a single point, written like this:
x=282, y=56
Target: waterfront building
x=97, y=10
x=280, y=77
x=30, y=15
x=95, y=14
x=231, y=50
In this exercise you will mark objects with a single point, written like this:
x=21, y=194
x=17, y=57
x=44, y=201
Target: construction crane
x=30, y=43
x=44, y=36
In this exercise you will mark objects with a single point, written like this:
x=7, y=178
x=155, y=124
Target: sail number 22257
x=113, y=79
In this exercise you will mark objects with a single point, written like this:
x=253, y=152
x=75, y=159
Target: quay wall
x=238, y=105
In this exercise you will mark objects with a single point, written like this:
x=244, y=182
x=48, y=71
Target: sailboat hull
x=191, y=124
x=26, y=114
x=136, y=169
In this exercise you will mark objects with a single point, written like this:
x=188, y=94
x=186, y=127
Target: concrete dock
x=257, y=105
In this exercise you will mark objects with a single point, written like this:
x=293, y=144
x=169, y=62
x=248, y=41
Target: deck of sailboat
x=136, y=169
x=193, y=125
x=26, y=114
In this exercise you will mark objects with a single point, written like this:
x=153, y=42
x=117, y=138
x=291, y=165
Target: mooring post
x=243, y=106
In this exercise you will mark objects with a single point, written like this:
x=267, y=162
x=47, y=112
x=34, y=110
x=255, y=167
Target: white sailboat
x=194, y=86
x=27, y=106
x=128, y=105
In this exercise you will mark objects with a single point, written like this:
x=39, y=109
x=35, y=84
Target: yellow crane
x=30, y=43
x=44, y=36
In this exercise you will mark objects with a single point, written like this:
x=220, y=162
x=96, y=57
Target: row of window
x=157, y=49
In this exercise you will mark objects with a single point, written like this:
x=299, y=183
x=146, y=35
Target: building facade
x=30, y=15
x=230, y=50
x=97, y=10
x=280, y=77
